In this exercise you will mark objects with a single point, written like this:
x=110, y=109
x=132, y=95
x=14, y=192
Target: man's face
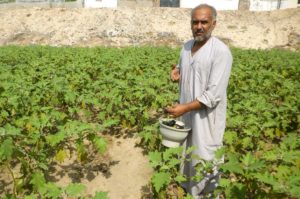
x=202, y=24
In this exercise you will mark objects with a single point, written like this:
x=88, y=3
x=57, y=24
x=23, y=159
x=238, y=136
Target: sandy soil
x=140, y=26
x=124, y=172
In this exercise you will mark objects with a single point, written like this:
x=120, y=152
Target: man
x=203, y=74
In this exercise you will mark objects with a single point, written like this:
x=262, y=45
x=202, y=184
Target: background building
x=252, y=5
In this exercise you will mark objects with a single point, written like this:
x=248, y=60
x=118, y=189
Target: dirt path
x=127, y=177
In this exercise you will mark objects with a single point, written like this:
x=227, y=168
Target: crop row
x=51, y=96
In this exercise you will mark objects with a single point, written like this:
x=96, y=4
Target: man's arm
x=180, y=109
x=218, y=79
x=217, y=85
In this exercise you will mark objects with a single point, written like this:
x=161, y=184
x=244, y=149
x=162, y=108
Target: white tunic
x=204, y=77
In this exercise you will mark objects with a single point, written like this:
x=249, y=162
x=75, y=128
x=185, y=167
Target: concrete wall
x=253, y=5
x=43, y=4
x=100, y=3
x=267, y=5
x=218, y=4
x=136, y=3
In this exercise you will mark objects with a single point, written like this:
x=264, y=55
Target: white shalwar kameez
x=204, y=77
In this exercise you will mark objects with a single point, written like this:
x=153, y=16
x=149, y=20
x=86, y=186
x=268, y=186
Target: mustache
x=199, y=31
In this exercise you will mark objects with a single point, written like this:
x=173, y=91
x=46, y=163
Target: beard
x=200, y=38
x=203, y=37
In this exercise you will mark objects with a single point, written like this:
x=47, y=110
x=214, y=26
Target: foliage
x=51, y=97
x=167, y=176
x=167, y=165
x=262, y=137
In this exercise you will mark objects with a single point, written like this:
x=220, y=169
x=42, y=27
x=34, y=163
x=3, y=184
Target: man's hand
x=177, y=110
x=180, y=109
x=175, y=75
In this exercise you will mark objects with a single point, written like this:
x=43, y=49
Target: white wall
x=266, y=5
x=218, y=4
x=100, y=3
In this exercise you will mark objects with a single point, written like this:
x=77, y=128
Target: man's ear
x=214, y=23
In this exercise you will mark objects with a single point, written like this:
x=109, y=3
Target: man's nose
x=199, y=25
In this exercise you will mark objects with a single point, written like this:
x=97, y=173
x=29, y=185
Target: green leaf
x=61, y=155
x=111, y=122
x=248, y=159
x=155, y=159
x=270, y=155
x=295, y=191
x=180, y=178
x=53, y=191
x=292, y=141
x=188, y=196
x=170, y=153
x=225, y=182
x=38, y=181
x=247, y=142
x=265, y=178
x=11, y=130
x=283, y=171
x=190, y=149
x=173, y=162
x=8, y=196
x=74, y=189
x=6, y=149
x=100, y=144
x=160, y=180
x=32, y=196
x=232, y=165
x=101, y=195
x=43, y=166
x=220, y=153
x=70, y=97
x=146, y=135
x=55, y=139
x=230, y=137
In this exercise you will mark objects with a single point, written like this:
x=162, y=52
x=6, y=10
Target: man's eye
x=195, y=22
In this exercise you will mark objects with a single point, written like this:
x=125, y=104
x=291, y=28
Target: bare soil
x=124, y=172
x=144, y=26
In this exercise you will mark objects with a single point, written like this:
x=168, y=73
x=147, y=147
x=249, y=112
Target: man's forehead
x=202, y=13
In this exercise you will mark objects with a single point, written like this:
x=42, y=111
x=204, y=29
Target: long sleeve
x=218, y=79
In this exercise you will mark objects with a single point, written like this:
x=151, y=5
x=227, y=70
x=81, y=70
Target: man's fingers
x=168, y=109
x=175, y=77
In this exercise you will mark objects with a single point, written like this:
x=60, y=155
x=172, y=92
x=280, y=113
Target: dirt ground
x=124, y=172
x=142, y=26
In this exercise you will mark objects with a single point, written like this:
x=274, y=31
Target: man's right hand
x=175, y=75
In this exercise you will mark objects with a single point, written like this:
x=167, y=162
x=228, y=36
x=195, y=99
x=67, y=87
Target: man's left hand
x=177, y=110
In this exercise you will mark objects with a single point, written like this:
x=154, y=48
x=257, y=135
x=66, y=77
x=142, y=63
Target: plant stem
x=14, y=179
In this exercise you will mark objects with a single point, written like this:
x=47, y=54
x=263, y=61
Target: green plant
x=52, y=99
